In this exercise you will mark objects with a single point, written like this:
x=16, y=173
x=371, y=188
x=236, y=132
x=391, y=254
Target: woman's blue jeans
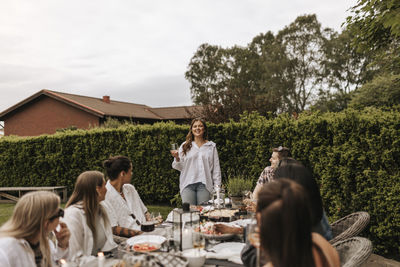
x=195, y=194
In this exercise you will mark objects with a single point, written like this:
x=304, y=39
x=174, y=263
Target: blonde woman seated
x=86, y=217
x=284, y=218
x=24, y=238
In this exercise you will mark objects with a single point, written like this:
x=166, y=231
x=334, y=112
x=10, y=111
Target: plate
x=157, y=239
x=234, y=247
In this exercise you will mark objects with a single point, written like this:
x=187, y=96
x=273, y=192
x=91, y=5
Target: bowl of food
x=145, y=243
x=195, y=257
x=148, y=226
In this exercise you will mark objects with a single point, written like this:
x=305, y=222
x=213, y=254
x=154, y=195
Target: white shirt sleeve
x=73, y=219
x=179, y=165
x=112, y=217
x=216, y=172
x=4, y=259
x=58, y=253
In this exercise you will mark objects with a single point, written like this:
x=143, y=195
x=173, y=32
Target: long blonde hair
x=85, y=194
x=29, y=217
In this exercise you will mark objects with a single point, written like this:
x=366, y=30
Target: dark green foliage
x=355, y=156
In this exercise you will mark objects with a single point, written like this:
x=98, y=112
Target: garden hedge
x=354, y=155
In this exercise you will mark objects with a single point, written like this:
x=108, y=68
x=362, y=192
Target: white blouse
x=18, y=252
x=120, y=211
x=200, y=164
x=81, y=240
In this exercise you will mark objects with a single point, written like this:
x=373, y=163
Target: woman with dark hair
x=292, y=169
x=124, y=206
x=24, y=238
x=87, y=218
x=284, y=217
x=198, y=162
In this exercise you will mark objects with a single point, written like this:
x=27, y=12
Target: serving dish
x=145, y=243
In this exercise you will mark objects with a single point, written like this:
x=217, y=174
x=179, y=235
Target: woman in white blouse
x=87, y=218
x=24, y=238
x=198, y=162
x=125, y=208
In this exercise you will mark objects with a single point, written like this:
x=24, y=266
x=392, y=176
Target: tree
x=303, y=42
x=376, y=28
x=229, y=81
x=383, y=91
x=344, y=69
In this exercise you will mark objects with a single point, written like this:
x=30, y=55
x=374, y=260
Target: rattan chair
x=349, y=226
x=353, y=251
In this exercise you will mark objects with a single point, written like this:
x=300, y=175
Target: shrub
x=354, y=155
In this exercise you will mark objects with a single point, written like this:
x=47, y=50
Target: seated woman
x=292, y=169
x=284, y=218
x=124, y=206
x=24, y=238
x=86, y=217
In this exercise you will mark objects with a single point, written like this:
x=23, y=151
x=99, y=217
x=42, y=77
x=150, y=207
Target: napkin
x=230, y=252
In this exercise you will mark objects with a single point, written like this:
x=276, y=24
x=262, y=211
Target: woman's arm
x=179, y=159
x=124, y=232
x=216, y=172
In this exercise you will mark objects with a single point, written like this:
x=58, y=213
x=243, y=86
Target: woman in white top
x=198, y=162
x=125, y=209
x=86, y=217
x=24, y=238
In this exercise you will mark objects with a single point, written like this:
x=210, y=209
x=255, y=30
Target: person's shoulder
x=129, y=187
x=74, y=209
x=210, y=143
x=7, y=241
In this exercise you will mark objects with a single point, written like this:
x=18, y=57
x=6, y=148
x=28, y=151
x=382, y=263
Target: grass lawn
x=7, y=209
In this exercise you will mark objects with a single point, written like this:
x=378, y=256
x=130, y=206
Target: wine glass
x=198, y=240
x=174, y=147
x=253, y=236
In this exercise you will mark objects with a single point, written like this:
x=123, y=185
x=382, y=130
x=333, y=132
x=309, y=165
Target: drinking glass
x=253, y=237
x=198, y=240
x=174, y=147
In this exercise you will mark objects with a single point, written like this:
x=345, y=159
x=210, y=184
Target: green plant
x=354, y=156
x=237, y=186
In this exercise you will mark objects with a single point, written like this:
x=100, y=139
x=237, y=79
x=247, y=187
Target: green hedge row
x=354, y=155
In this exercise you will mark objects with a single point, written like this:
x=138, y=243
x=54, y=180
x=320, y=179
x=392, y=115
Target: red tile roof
x=103, y=109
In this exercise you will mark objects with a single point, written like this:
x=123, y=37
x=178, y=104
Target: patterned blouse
x=266, y=176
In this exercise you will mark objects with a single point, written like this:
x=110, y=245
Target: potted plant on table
x=237, y=187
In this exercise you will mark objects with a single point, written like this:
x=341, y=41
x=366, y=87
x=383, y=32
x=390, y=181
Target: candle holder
x=185, y=220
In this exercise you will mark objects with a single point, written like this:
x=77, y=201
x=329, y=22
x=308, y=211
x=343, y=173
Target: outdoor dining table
x=116, y=255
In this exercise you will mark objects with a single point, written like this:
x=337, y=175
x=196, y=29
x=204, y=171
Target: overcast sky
x=134, y=51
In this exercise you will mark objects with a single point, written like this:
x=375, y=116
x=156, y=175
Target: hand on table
x=226, y=229
x=62, y=235
x=250, y=204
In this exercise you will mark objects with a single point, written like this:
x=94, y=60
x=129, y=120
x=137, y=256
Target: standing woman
x=87, y=218
x=24, y=238
x=198, y=162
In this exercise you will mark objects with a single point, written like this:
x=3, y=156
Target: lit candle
x=218, y=197
x=187, y=239
x=64, y=263
x=101, y=259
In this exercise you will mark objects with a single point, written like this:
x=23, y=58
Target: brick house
x=46, y=111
